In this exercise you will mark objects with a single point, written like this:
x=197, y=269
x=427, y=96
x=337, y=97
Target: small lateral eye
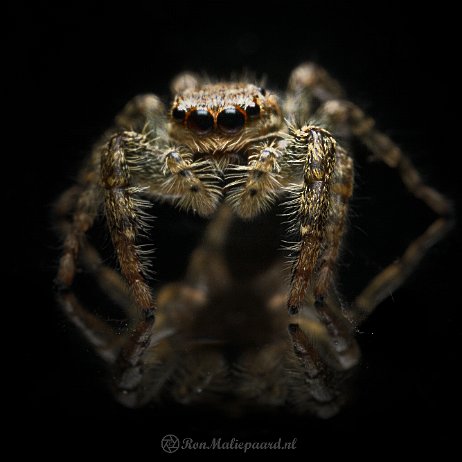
x=262, y=91
x=253, y=110
x=201, y=121
x=230, y=120
x=178, y=114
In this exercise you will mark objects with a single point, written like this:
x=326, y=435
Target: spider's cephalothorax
x=223, y=117
x=241, y=327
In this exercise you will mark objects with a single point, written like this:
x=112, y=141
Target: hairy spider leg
x=343, y=115
x=319, y=208
x=74, y=213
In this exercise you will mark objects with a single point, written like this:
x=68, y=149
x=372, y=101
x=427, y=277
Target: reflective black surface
x=76, y=67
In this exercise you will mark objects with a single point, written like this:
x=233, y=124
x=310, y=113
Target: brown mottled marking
x=341, y=191
x=122, y=212
x=320, y=151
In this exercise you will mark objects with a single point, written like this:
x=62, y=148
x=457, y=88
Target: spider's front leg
x=123, y=213
x=74, y=215
x=129, y=160
x=320, y=207
x=317, y=149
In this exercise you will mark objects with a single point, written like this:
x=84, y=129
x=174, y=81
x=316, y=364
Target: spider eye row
x=230, y=119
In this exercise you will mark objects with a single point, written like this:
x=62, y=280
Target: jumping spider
x=231, y=152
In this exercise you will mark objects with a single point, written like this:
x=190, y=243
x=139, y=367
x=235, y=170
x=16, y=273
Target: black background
x=77, y=66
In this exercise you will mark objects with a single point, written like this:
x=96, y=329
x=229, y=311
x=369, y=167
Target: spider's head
x=216, y=117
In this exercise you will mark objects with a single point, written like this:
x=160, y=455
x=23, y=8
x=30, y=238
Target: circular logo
x=170, y=443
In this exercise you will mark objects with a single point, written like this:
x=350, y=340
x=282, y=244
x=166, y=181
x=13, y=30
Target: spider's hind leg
x=74, y=213
x=344, y=117
x=309, y=85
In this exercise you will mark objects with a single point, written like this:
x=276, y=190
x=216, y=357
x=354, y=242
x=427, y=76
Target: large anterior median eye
x=201, y=121
x=230, y=120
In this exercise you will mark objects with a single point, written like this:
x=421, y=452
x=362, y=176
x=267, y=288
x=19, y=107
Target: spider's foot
x=149, y=315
